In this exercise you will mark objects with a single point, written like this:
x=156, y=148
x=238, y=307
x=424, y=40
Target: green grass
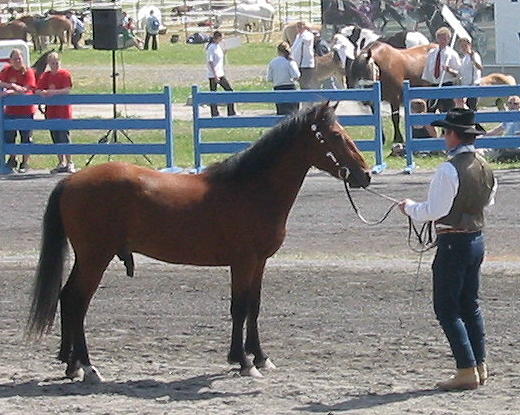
x=170, y=54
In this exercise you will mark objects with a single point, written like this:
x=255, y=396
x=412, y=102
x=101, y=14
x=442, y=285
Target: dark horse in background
x=429, y=13
x=350, y=15
x=391, y=66
x=233, y=214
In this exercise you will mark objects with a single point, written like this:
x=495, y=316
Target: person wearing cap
x=459, y=191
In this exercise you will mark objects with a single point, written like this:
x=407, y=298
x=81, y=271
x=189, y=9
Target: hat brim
x=477, y=129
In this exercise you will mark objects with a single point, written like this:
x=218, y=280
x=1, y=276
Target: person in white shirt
x=283, y=73
x=215, y=64
x=459, y=191
x=470, y=70
x=303, y=54
x=442, y=66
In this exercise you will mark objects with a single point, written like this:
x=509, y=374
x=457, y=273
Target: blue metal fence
x=435, y=144
x=201, y=147
x=165, y=123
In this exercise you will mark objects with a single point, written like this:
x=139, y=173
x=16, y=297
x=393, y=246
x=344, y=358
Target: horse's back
x=497, y=78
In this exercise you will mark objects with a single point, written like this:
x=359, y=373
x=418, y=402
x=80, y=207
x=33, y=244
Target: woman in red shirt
x=17, y=78
x=57, y=81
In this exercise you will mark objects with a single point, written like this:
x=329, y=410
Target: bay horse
x=13, y=30
x=391, y=66
x=52, y=26
x=232, y=214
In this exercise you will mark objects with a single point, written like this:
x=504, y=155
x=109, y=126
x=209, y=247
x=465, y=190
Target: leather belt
x=452, y=230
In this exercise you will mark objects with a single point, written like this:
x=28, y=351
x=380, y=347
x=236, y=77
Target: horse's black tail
x=49, y=273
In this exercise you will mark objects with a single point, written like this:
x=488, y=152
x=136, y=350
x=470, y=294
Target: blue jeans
x=456, y=279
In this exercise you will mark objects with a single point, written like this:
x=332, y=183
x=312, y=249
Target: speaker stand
x=111, y=135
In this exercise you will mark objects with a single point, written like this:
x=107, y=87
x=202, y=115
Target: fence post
x=3, y=167
x=410, y=164
x=170, y=140
x=196, y=129
x=380, y=163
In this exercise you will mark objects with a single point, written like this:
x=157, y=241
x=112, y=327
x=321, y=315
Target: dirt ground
x=343, y=317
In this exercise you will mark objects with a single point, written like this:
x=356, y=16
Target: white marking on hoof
x=92, y=375
x=268, y=365
x=251, y=371
x=77, y=373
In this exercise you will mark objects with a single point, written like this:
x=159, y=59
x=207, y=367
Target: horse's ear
x=362, y=43
x=369, y=54
x=335, y=106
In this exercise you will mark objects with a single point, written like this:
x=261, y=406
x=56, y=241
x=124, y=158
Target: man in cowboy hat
x=460, y=189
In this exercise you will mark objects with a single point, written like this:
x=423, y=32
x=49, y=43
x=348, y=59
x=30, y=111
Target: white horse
x=250, y=17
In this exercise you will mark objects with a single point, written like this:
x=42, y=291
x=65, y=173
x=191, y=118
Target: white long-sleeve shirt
x=441, y=194
x=448, y=58
x=303, y=50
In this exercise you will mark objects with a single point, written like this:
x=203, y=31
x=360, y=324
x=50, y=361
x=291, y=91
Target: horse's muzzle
x=359, y=179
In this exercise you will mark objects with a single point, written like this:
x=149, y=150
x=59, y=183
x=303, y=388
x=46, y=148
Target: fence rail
x=436, y=144
x=165, y=123
x=372, y=95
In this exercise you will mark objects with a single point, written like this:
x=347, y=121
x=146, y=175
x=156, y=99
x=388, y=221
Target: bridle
x=424, y=235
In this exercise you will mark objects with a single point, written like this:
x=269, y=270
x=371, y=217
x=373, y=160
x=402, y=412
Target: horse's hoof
x=92, y=376
x=75, y=373
x=266, y=364
x=251, y=371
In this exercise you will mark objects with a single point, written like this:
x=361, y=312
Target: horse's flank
x=497, y=78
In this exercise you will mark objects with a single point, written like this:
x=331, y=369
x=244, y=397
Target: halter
x=424, y=236
x=343, y=171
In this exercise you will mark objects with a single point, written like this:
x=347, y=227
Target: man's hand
x=402, y=204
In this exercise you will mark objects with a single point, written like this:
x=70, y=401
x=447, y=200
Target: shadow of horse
x=196, y=388
x=367, y=401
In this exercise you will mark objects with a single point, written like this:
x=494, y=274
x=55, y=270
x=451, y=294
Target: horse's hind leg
x=79, y=291
x=67, y=308
x=252, y=345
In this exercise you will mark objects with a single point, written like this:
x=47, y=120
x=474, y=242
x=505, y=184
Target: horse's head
x=364, y=71
x=332, y=150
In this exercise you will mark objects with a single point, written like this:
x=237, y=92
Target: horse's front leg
x=241, y=278
x=252, y=345
x=398, y=138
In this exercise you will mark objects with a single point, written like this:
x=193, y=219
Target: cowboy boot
x=482, y=372
x=464, y=379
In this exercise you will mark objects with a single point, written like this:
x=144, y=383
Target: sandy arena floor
x=343, y=317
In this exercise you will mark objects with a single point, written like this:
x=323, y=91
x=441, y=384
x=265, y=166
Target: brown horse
x=52, y=26
x=233, y=214
x=13, y=30
x=380, y=61
x=498, y=78
x=327, y=66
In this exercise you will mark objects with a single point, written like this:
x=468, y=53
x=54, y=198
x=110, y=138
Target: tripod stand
x=111, y=135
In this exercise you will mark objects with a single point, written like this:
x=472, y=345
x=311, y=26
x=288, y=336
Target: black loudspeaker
x=106, y=28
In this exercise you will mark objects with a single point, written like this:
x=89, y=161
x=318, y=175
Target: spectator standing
x=17, y=78
x=78, y=28
x=215, y=64
x=442, y=66
x=152, y=30
x=283, y=72
x=321, y=48
x=459, y=191
x=57, y=81
x=303, y=54
x=470, y=70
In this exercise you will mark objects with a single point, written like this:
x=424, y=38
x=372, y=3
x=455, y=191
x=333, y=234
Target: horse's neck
x=285, y=177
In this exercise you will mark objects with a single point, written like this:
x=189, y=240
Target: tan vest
x=475, y=185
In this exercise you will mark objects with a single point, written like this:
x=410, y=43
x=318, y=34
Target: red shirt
x=59, y=80
x=27, y=79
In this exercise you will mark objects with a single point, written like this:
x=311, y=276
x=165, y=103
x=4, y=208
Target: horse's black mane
x=264, y=152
